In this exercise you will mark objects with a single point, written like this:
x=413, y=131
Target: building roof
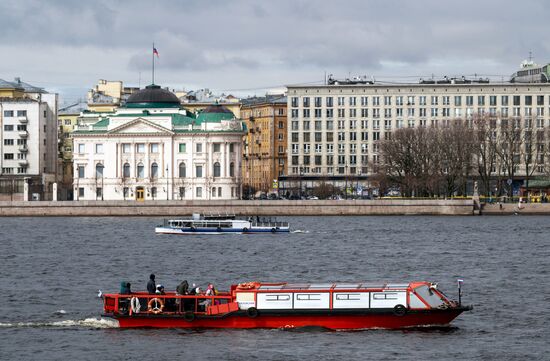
x=153, y=96
x=9, y=85
x=268, y=99
x=28, y=87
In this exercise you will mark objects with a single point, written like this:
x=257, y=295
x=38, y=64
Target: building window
x=217, y=169
x=198, y=171
x=99, y=193
x=182, y=192
x=8, y=113
x=140, y=171
x=219, y=191
x=154, y=171
x=81, y=171
x=181, y=147
x=81, y=192
x=99, y=148
x=81, y=148
x=199, y=192
x=182, y=170
x=154, y=147
x=198, y=147
x=217, y=147
x=125, y=192
x=140, y=148
x=21, y=113
x=153, y=192
x=126, y=170
x=231, y=169
x=8, y=155
x=126, y=148
x=8, y=127
x=99, y=170
x=231, y=148
x=213, y=192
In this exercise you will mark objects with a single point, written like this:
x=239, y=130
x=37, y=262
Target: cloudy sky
x=245, y=47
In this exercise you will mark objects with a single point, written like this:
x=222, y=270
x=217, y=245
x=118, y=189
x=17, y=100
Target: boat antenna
x=459, y=282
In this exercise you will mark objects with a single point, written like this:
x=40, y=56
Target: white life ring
x=135, y=305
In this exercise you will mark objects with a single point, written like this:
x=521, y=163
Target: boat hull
x=168, y=230
x=336, y=321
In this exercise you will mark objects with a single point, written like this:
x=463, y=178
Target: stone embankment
x=515, y=208
x=238, y=207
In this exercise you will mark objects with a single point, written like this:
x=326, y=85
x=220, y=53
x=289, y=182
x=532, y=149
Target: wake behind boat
x=220, y=224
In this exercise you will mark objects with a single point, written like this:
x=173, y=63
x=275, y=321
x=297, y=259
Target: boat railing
x=126, y=304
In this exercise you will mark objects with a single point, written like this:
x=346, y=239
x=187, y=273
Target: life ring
x=157, y=307
x=189, y=316
x=135, y=305
x=273, y=230
x=245, y=230
x=399, y=310
x=252, y=312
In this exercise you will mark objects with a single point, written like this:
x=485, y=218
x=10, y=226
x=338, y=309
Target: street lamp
x=301, y=175
x=346, y=179
x=167, y=198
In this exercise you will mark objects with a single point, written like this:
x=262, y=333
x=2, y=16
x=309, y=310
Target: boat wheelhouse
x=285, y=305
x=220, y=224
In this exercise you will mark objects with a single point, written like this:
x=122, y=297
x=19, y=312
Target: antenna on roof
x=530, y=56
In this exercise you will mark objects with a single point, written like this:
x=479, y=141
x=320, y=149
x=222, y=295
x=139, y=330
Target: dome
x=153, y=96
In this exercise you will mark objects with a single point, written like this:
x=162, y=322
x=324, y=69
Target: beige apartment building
x=335, y=129
x=265, y=143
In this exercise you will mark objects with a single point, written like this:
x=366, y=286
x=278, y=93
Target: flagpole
x=153, y=55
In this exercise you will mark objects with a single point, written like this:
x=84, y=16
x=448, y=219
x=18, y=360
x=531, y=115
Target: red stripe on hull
x=338, y=322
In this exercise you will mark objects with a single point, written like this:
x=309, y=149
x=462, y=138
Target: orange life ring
x=158, y=307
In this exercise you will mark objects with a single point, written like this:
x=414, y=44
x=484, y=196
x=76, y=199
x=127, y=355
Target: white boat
x=221, y=224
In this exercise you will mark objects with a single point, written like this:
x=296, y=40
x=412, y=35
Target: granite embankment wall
x=515, y=208
x=261, y=208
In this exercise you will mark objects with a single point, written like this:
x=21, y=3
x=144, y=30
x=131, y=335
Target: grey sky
x=244, y=46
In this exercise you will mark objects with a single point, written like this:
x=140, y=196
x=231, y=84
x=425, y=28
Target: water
x=52, y=268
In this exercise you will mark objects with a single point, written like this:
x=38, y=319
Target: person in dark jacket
x=183, y=288
x=151, y=285
x=125, y=288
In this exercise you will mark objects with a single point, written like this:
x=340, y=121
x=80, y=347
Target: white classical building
x=28, y=144
x=152, y=148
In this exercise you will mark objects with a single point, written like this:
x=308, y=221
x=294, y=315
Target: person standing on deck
x=151, y=285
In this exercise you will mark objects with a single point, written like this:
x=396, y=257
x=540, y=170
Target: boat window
x=384, y=296
x=347, y=286
x=308, y=297
x=431, y=297
x=320, y=286
x=397, y=285
x=373, y=285
x=277, y=297
x=348, y=297
x=297, y=286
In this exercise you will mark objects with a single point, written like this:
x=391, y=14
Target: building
x=195, y=101
x=28, y=145
x=152, y=148
x=66, y=123
x=265, y=144
x=335, y=129
x=108, y=95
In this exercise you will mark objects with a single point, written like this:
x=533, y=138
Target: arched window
x=231, y=169
x=154, y=171
x=217, y=169
x=140, y=171
x=99, y=170
x=182, y=170
x=126, y=170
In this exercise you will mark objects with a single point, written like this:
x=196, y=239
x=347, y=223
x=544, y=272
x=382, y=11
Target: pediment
x=140, y=126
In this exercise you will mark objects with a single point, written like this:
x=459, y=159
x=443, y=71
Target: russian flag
x=155, y=52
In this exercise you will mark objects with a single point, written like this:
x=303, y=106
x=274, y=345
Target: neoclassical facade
x=152, y=148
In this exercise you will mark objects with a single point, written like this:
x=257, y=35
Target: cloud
x=246, y=44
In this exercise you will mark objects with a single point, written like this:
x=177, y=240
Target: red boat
x=283, y=305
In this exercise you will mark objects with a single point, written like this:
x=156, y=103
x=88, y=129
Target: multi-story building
x=108, y=95
x=197, y=100
x=66, y=122
x=335, y=129
x=152, y=148
x=265, y=143
x=28, y=141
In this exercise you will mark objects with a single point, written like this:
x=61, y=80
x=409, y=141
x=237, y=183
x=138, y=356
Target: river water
x=52, y=268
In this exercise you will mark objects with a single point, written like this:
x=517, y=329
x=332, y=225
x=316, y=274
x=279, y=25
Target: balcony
x=23, y=149
x=23, y=119
x=23, y=162
x=23, y=134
